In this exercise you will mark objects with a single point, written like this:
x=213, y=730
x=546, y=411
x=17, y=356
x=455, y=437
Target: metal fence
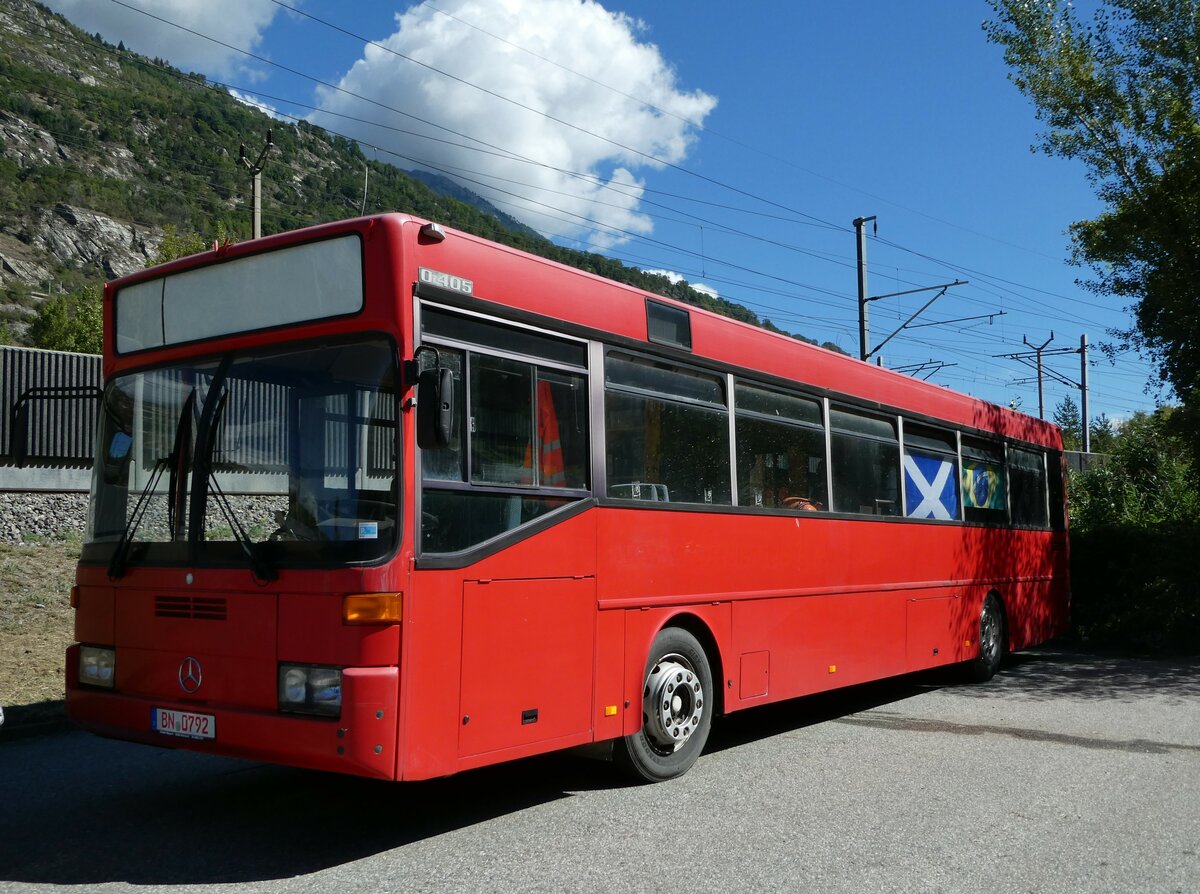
x=1078, y=461
x=47, y=404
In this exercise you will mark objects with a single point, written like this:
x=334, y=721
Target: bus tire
x=991, y=641
x=677, y=710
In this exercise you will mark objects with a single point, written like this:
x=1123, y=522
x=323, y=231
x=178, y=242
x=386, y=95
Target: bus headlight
x=97, y=666
x=308, y=689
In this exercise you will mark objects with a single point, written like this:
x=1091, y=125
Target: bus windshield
x=273, y=457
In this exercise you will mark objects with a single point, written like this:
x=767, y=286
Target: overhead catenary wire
x=773, y=311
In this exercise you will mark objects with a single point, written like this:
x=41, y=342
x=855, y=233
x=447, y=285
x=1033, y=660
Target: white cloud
x=674, y=277
x=606, y=59
x=237, y=22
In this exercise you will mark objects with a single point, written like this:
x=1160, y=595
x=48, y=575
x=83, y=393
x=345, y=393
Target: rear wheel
x=991, y=641
x=676, y=710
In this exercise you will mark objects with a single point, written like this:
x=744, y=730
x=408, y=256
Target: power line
x=677, y=249
x=646, y=155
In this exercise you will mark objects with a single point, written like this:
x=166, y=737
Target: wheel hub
x=989, y=634
x=674, y=702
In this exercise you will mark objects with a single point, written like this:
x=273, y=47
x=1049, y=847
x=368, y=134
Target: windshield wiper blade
x=181, y=459
x=116, y=565
x=207, y=486
x=260, y=567
x=183, y=429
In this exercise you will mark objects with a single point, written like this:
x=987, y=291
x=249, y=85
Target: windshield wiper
x=207, y=485
x=181, y=459
x=116, y=565
x=259, y=566
x=177, y=460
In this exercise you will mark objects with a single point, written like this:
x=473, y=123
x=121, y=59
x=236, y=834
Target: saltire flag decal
x=983, y=487
x=930, y=487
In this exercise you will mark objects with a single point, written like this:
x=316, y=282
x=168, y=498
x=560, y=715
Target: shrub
x=1134, y=538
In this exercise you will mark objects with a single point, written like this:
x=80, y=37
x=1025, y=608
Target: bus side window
x=931, y=478
x=983, y=482
x=1027, y=483
x=667, y=433
x=500, y=420
x=866, y=463
x=520, y=436
x=1056, y=483
x=780, y=450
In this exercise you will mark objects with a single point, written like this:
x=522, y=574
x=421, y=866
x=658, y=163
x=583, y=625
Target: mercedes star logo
x=191, y=675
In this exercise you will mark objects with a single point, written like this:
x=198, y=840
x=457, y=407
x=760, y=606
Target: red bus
x=392, y=500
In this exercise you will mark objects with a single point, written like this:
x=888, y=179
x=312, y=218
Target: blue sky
x=778, y=124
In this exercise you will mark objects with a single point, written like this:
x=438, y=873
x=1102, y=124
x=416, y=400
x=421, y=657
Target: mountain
x=103, y=151
x=444, y=186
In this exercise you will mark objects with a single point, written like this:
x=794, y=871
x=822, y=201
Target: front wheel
x=677, y=710
x=991, y=641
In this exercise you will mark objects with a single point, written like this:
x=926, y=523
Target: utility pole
x=1037, y=349
x=1083, y=387
x=865, y=351
x=256, y=171
x=864, y=330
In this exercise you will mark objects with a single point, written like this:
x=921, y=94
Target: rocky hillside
x=102, y=151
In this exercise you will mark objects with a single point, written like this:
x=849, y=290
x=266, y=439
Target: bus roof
x=504, y=277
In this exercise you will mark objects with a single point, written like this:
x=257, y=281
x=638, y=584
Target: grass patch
x=36, y=621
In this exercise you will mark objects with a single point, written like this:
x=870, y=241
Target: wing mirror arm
x=435, y=400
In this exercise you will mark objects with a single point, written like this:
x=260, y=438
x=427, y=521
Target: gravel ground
x=30, y=517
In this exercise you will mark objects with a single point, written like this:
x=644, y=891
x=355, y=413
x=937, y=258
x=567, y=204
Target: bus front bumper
x=362, y=741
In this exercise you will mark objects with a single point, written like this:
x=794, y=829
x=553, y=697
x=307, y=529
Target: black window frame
x=654, y=494
x=931, y=440
x=1019, y=501
x=836, y=431
x=816, y=499
x=500, y=339
x=984, y=450
x=659, y=315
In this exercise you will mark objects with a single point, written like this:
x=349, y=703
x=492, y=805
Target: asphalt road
x=1067, y=773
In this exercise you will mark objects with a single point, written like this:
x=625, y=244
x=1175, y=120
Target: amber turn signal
x=372, y=608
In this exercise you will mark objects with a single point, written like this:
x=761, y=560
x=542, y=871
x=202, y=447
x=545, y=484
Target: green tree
x=70, y=322
x=6, y=334
x=1103, y=434
x=1066, y=417
x=179, y=245
x=1148, y=481
x=1134, y=539
x=1120, y=94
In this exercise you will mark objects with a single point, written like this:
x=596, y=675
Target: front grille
x=195, y=608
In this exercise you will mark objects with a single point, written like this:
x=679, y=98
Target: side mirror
x=435, y=408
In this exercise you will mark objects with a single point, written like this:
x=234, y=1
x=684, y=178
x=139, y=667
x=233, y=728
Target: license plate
x=185, y=724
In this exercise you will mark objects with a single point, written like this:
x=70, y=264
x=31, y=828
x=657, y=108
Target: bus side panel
x=471, y=655
x=1036, y=610
x=939, y=627
x=824, y=602
x=819, y=642
x=527, y=666
x=608, y=704
x=432, y=641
